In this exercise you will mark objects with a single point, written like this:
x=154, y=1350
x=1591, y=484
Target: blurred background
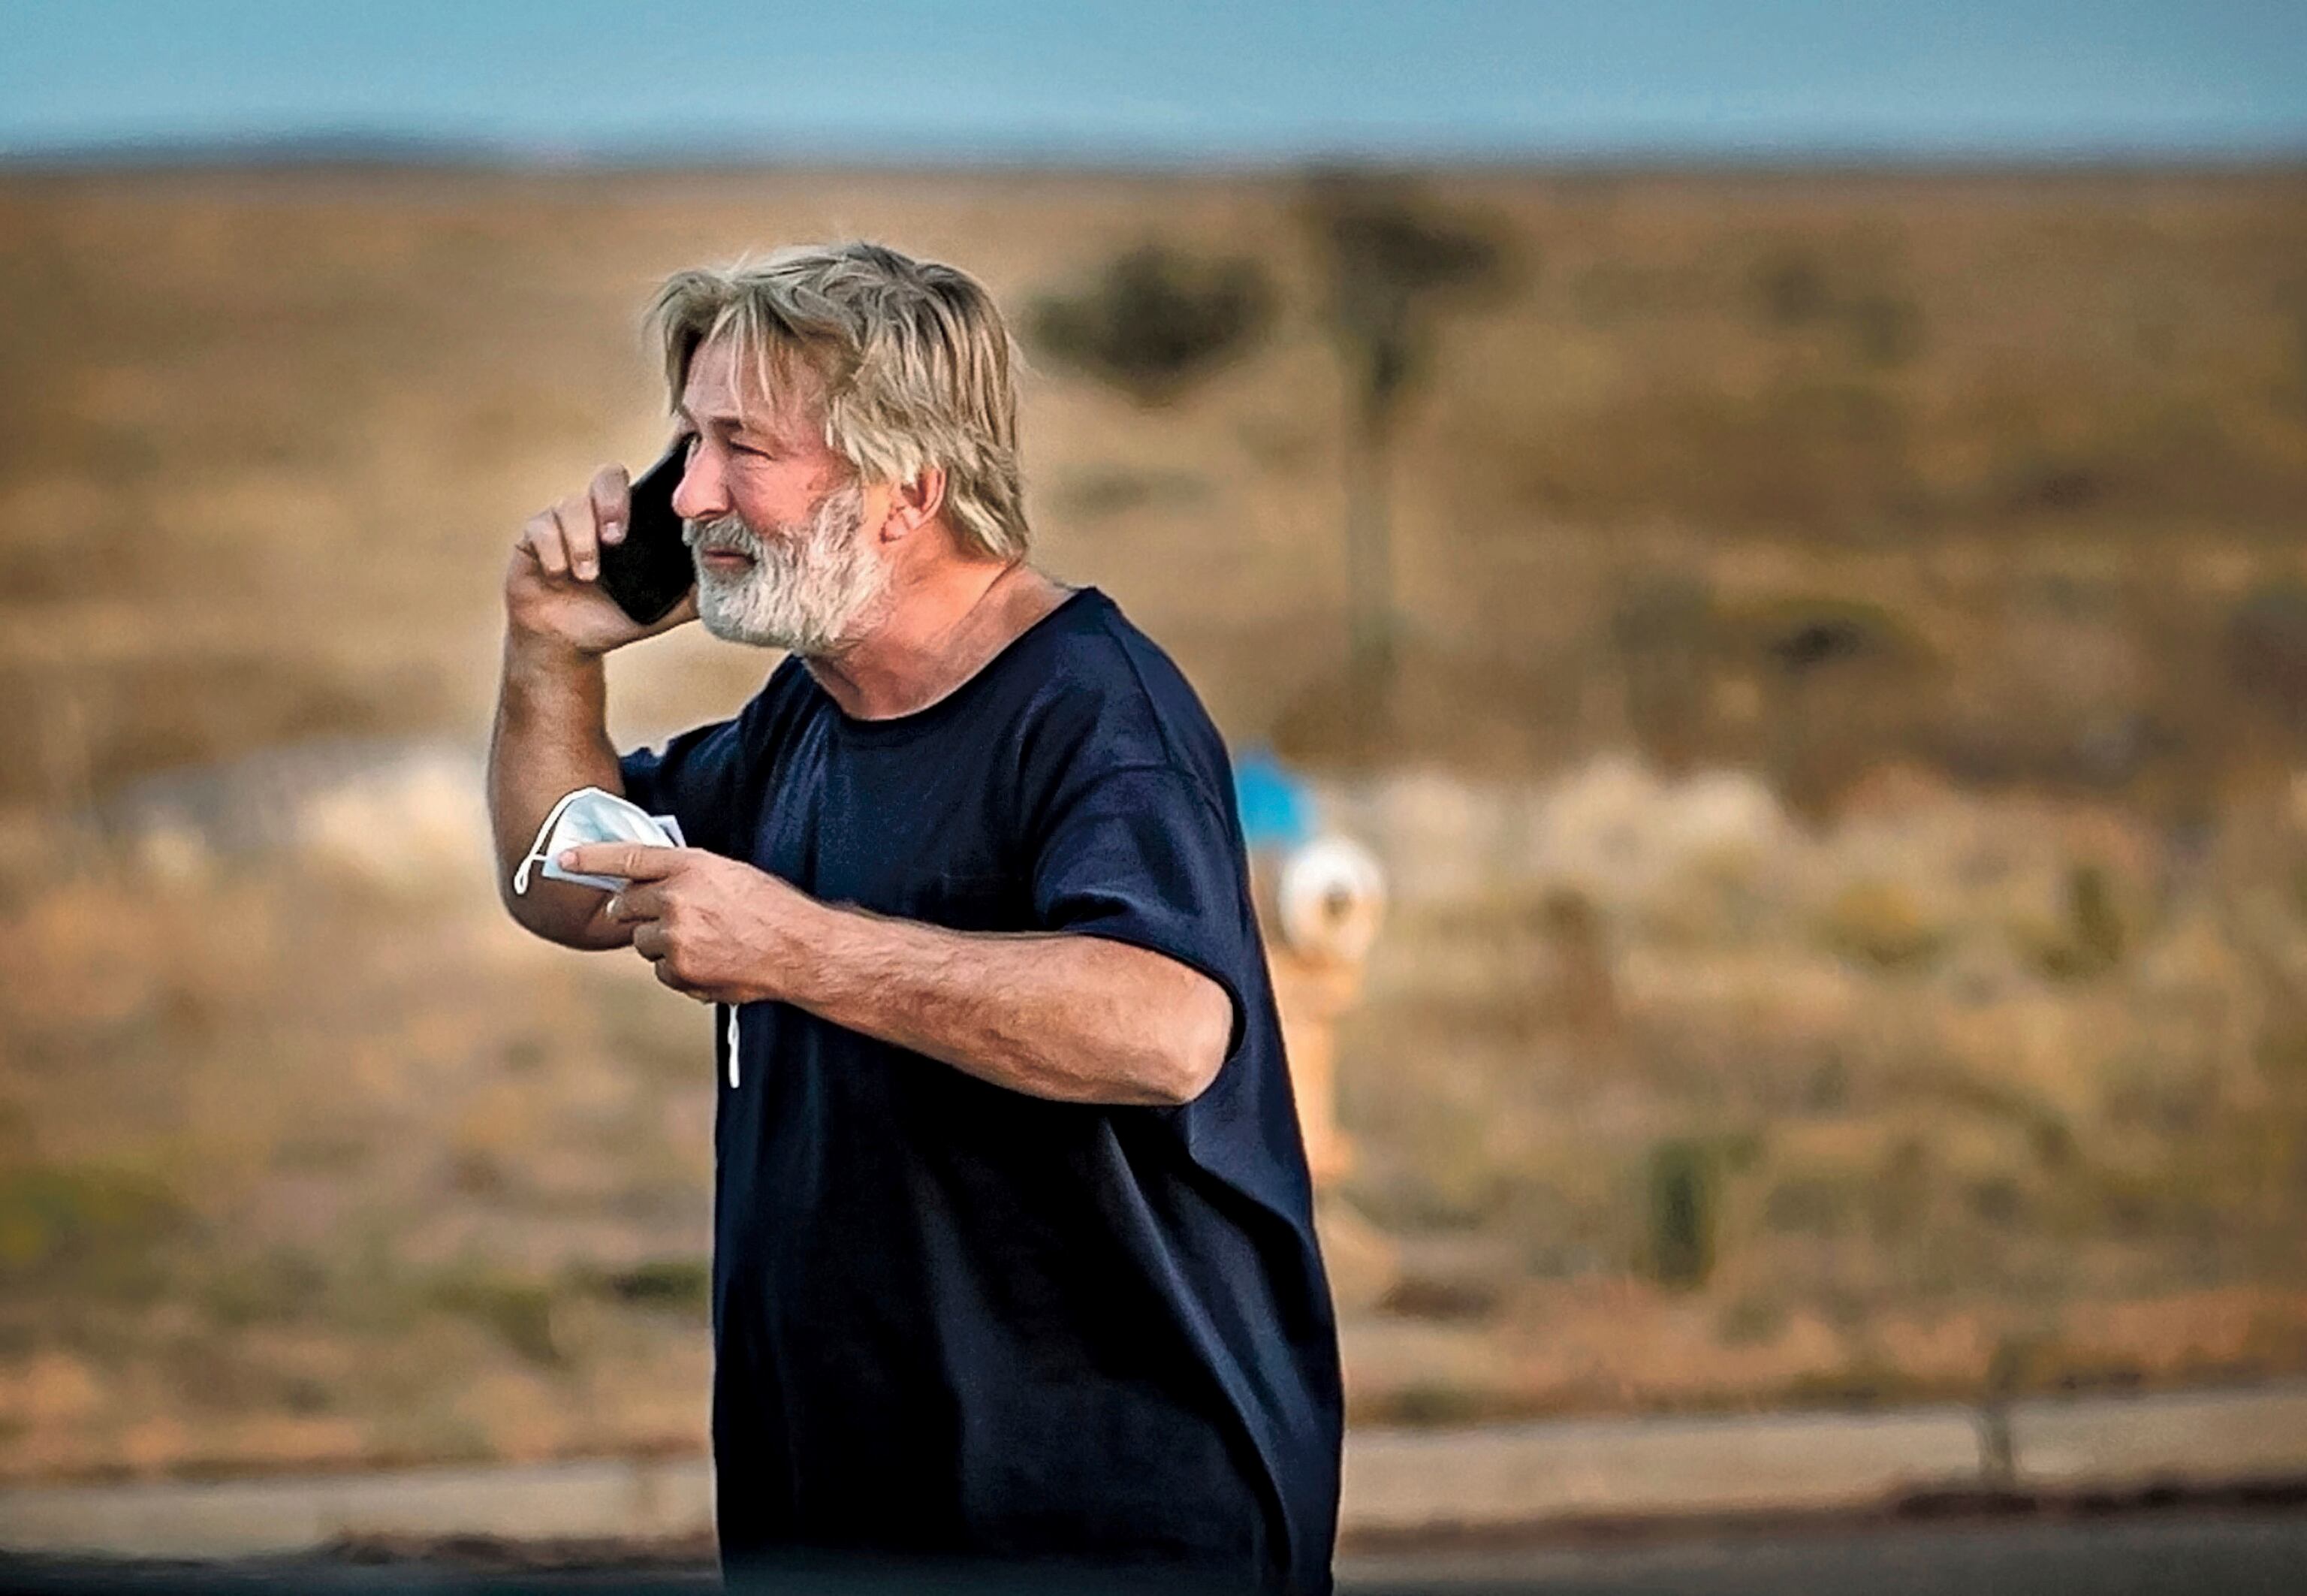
x=1779, y=526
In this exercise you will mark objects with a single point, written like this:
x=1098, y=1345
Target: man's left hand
x=714, y=929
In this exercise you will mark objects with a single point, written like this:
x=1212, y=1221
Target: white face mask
x=591, y=815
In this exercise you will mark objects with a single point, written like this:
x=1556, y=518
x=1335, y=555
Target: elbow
x=525, y=911
x=1196, y=1045
x=549, y=916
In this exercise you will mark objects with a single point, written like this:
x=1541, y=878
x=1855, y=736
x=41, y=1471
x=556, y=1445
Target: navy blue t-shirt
x=954, y=1320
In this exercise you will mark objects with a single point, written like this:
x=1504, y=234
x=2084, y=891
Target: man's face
x=775, y=518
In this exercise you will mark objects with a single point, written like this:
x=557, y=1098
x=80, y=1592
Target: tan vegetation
x=1837, y=774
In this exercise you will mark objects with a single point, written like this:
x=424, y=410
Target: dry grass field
x=1850, y=935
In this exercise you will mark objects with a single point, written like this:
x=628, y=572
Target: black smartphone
x=650, y=571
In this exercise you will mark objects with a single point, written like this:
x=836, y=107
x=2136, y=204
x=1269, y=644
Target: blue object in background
x=1277, y=807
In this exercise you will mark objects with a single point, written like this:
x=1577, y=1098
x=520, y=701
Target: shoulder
x=1102, y=695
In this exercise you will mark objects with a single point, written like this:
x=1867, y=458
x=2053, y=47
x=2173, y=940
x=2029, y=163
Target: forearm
x=1078, y=1018
x=550, y=738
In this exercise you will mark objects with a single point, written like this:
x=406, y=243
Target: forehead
x=725, y=386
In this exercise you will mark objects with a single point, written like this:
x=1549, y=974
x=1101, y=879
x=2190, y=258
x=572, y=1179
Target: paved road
x=1423, y=1491
x=2154, y=1554
x=2150, y=1554
x=1401, y=1485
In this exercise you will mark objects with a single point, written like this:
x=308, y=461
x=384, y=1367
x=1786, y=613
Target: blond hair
x=911, y=360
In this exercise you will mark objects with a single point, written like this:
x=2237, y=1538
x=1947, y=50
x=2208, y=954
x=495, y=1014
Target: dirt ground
x=1850, y=887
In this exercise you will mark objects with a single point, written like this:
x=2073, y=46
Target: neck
x=941, y=631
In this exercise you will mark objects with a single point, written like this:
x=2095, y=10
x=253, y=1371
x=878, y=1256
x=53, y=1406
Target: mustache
x=723, y=535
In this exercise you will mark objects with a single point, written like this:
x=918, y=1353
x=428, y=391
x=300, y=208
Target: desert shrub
x=685, y=1285
x=1898, y=1194
x=2090, y=937
x=1428, y=1402
x=1751, y=1320
x=1156, y=320
x=1881, y=923
x=2267, y=649
x=1791, y=289
x=1885, y=328
x=2059, y=486
x=278, y=1286
x=1800, y=634
x=2098, y=925
x=1793, y=292
x=1814, y=1201
x=517, y=1309
x=1998, y=1200
x=98, y=1230
x=1670, y=610
x=1684, y=1202
x=1664, y=630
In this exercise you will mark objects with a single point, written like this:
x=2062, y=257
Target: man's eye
x=759, y=454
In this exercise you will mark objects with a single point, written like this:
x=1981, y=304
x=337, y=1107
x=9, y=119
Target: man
x=1014, y=1254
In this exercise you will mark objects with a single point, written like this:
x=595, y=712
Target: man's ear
x=912, y=505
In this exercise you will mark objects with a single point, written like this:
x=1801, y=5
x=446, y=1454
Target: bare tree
x=1394, y=262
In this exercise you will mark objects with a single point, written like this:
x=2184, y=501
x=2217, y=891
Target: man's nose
x=701, y=494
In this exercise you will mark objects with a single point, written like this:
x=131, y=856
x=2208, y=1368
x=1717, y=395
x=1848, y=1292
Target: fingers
x=542, y=539
x=665, y=977
x=612, y=495
x=635, y=862
x=642, y=901
x=562, y=538
x=579, y=536
x=653, y=943
x=566, y=539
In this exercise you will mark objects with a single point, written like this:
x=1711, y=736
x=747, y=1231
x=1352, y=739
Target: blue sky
x=1167, y=81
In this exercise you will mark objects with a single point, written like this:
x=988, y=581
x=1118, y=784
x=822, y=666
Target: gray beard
x=815, y=586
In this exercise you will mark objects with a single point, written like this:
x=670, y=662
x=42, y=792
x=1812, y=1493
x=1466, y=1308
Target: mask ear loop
x=536, y=850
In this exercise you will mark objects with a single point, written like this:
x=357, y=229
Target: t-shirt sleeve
x=694, y=778
x=1142, y=855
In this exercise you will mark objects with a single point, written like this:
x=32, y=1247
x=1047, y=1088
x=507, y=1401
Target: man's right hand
x=553, y=592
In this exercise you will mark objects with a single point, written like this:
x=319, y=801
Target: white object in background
x=1330, y=897
x=592, y=815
